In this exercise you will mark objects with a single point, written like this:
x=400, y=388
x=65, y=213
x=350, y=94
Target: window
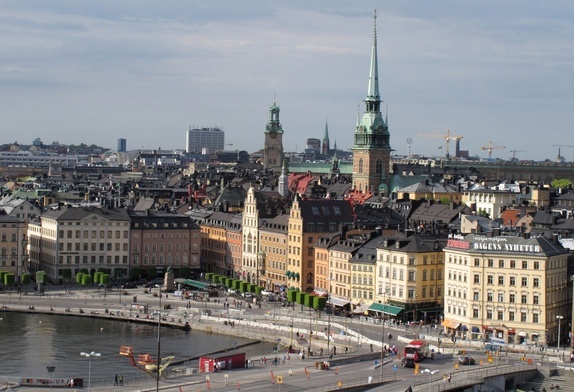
x=489, y=314
x=524, y=264
x=501, y=280
x=475, y=296
x=490, y=279
x=512, y=264
x=523, y=298
x=535, y=318
x=524, y=281
x=490, y=263
x=536, y=282
x=512, y=298
x=511, y=315
x=523, y=317
x=475, y=313
x=411, y=275
x=500, y=315
x=500, y=265
x=477, y=262
x=513, y=281
x=500, y=297
x=425, y=275
x=535, y=299
x=489, y=297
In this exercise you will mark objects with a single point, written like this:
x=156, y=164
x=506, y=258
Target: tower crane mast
x=447, y=139
x=491, y=146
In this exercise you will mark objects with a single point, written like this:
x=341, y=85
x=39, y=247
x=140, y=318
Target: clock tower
x=371, y=146
x=273, y=150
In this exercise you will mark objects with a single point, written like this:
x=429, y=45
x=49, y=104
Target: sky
x=496, y=72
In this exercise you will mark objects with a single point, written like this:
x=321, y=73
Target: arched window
x=379, y=166
x=361, y=165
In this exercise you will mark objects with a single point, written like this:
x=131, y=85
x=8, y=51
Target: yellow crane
x=491, y=146
x=447, y=139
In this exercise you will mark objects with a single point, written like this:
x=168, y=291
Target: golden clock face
x=273, y=134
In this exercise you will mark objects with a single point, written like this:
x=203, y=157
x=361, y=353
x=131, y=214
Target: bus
x=417, y=350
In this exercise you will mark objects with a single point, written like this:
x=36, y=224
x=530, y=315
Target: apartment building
x=161, y=239
x=491, y=201
x=512, y=288
x=273, y=245
x=308, y=220
x=410, y=276
x=65, y=240
x=13, y=244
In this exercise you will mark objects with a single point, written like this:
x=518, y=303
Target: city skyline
x=96, y=72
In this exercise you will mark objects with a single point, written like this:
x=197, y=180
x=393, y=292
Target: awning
x=361, y=309
x=511, y=331
x=195, y=283
x=318, y=293
x=387, y=309
x=475, y=329
x=338, y=301
x=523, y=334
x=450, y=324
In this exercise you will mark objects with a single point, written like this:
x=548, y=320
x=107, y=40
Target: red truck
x=417, y=350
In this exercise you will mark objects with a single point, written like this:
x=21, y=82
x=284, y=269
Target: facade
x=273, y=146
x=212, y=139
x=410, y=275
x=251, y=256
x=214, y=248
x=308, y=220
x=273, y=244
x=511, y=288
x=363, y=267
x=159, y=240
x=371, y=147
x=68, y=239
x=491, y=201
x=13, y=245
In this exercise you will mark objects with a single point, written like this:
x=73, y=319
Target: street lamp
x=90, y=355
x=430, y=372
x=559, y=320
x=385, y=293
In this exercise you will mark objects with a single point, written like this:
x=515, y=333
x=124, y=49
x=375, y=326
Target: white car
x=265, y=292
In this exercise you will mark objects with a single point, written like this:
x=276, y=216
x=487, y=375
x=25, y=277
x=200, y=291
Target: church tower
x=273, y=150
x=371, y=146
x=326, y=145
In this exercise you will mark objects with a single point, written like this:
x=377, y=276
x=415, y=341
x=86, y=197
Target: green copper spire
x=373, y=90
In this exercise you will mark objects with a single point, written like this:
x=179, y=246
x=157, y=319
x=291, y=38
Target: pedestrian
x=121, y=379
x=116, y=379
x=448, y=377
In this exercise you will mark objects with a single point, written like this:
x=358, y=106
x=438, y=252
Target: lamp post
x=385, y=292
x=559, y=320
x=158, y=342
x=90, y=355
x=430, y=372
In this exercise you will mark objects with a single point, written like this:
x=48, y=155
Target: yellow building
x=511, y=288
x=410, y=276
x=13, y=244
x=273, y=244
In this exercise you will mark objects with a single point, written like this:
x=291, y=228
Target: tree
x=482, y=212
x=26, y=279
x=561, y=183
x=9, y=279
x=87, y=280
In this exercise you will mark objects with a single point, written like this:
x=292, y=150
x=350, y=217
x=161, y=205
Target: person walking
x=121, y=379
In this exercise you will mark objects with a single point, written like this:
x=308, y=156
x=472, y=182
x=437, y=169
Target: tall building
x=273, y=149
x=371, y=147
x=122, y=145
x=201, y=139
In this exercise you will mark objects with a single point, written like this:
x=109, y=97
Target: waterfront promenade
x=357, y=341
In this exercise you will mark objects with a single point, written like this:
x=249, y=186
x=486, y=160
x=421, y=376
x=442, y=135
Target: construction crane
x=514, y=153
x=560, y=158
x=491, y=146
x=447, y=138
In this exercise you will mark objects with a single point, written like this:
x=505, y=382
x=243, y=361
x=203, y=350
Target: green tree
x=319, y=303
x=9, y=279
x=66, y=274
x=482, y=212
x=561, y=183
x=80, y=277
x=87, y=280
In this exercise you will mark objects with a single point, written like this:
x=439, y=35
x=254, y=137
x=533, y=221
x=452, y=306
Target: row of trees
x=293, y=295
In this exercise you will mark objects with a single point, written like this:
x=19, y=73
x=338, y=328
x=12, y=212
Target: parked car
x=129, y=285
x=466, y=360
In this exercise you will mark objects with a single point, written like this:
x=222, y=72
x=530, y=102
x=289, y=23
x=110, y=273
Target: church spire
x=326, y=144
x=373, y=90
